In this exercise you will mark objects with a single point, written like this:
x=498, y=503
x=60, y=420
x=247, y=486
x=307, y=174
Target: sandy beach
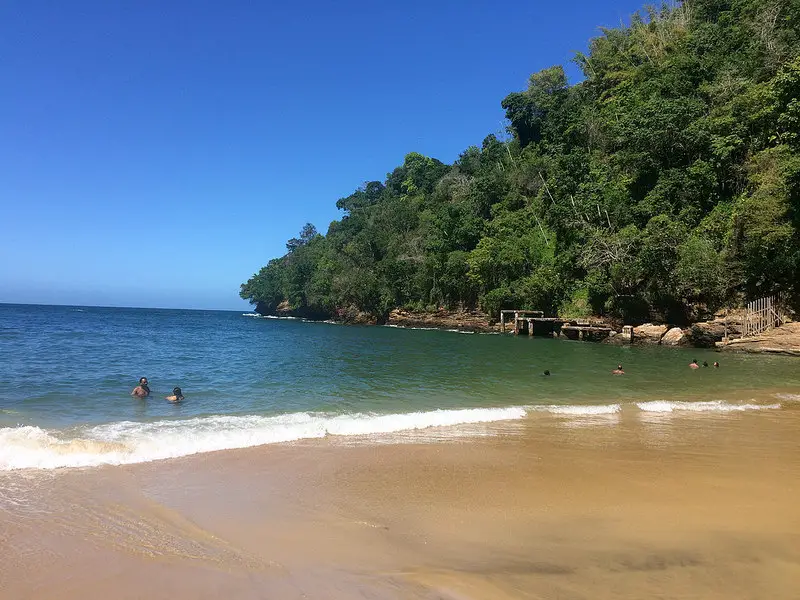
x=666, y=505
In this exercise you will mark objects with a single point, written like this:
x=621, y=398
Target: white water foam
x=790, y=397
x=666, y=406
x=126, y=442
x=575, y=410
x=129, y=442
x=394, y=326
x=258, y=316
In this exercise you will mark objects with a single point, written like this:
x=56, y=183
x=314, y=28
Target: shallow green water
x=67, y=372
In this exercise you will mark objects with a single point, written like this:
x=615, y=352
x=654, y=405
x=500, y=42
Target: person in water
x=142, y=390
x=694, y=365
x=618, y=371
x=546, y=373
x=177, y=395
x=716, y=365
x=705, y=364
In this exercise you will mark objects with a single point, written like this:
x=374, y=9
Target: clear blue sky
x=159, y=152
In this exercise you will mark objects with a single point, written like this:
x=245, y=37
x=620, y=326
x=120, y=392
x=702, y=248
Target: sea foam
x=126, y=442
x=129, y=442
x=577, y=410
x=666, y=406
x=258, y=316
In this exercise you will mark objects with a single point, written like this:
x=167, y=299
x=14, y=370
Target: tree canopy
x=666, y=184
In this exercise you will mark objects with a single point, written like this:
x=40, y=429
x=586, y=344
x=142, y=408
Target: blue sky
x=158, y=153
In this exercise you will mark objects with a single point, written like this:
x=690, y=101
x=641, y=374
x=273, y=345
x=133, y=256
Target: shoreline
x=671, y=504
x=87, y=452
x=783, y=340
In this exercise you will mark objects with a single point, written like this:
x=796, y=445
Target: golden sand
x=661, y=505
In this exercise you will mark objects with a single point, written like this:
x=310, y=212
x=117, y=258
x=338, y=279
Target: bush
x=494, y=301
x=577, y=306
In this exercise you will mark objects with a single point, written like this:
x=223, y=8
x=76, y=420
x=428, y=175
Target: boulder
x=706, y=335
x=674, y=337
x=648, y=333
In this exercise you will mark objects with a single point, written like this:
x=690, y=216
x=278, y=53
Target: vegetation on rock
x=664, y=185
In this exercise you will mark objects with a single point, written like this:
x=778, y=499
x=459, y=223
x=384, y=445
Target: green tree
x=663, y=184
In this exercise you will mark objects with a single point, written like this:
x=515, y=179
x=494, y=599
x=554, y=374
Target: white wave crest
x=577, y=410
x=131, y=442
x=665, y=406
x=258, y=316
x=790, y=397
x=396, y=326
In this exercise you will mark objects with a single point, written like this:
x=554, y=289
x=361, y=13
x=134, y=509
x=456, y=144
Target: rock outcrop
x=707, y=334
x=648, y=333
x=781, y=340
x=473, y=320
x=674, y=337
x=285, y=310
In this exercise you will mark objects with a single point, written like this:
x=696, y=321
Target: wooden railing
x=762, y=314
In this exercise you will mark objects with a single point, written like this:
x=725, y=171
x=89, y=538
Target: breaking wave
x=129, y=442
x=665, y=406
x=126, y=442
x=580, y=410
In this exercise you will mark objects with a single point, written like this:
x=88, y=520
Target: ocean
x=66, y=373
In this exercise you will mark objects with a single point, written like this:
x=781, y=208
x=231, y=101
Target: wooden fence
x=762, y=314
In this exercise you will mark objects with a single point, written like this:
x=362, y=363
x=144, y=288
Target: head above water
x=143, y=381
x=177, y=392
x=547, y=373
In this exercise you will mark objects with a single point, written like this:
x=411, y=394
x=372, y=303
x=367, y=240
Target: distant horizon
x=2, y=303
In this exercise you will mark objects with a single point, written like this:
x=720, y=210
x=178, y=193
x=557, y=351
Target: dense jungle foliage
x=664, y=185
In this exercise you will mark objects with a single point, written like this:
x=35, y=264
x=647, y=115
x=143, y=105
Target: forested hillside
x=665, y=185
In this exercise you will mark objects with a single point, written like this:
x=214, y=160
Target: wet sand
x=637, y=505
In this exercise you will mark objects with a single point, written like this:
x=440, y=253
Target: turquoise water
x=66, y=374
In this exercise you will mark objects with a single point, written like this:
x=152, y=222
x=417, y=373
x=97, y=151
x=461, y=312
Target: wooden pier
x=533, y=322
x=589, y=333
x=520, y=318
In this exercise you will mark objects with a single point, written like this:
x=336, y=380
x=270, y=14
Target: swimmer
x=177, y=395
x=142, y=390
x=618, y=371
x=716, y=365
x=705, y=364
x=694, y=365
x=546, y=373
